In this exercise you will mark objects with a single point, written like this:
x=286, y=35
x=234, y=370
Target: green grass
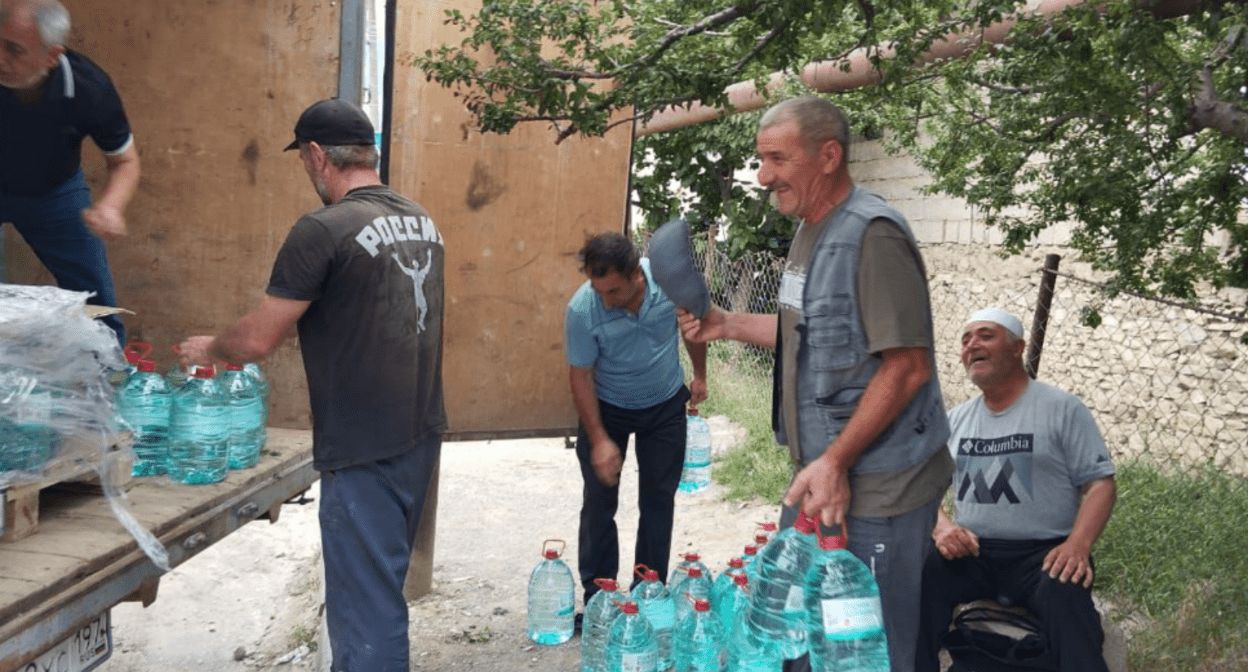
x=1173, y=559
x=1174, y=554
x=757, y=467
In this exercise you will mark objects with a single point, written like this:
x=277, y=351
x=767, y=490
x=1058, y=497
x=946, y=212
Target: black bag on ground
x=991, y=638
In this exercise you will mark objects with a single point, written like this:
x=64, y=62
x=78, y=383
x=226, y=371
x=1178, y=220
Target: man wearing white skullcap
x=1032, y=491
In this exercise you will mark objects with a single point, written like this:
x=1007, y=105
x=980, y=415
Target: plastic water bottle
x=748, y=558
x=657, y=606
x=695, y=587
x=199, y=430
x=145, y=403
x=724, y=580
x=733, y=612
x=696, y=475
x=27, y=439
x=766, y=530
x=700, y=641
x=846, y=619
x=631, y=643
x=688, y=561
x=551, y=598
x=778, y=605
x=246, y=417
x=262, y=383
x=600, y=614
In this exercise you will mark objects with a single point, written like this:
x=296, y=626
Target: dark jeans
x=369, y=515
x=660, y=432
x=52, y=225
x=1009, y=571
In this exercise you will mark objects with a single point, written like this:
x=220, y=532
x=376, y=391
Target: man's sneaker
x=576, y=622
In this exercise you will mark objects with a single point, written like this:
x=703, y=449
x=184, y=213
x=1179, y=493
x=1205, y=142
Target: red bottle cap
x=701, y=605
x=735, y=563
x=805, y=524
x=205, y=372
x=145, y=365
x=233, y=367
x=608, y=585
x=695, y=573
x=628, y=607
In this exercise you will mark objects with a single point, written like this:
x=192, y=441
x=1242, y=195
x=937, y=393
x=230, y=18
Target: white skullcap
x=999, y=316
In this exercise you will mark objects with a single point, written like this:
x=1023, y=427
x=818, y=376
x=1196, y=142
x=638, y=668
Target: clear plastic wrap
x=56, y=404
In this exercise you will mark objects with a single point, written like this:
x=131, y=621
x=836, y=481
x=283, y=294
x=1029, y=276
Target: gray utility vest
x=833, y=365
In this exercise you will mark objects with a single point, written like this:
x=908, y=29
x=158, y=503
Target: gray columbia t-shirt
x=1019, y=472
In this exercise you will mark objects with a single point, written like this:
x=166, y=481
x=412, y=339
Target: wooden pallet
x=19, y=502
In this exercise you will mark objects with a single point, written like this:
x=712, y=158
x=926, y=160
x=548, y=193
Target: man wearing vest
x=50, y=99
x=857, y=400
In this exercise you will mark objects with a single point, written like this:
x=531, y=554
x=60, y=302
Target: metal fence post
x=1040, y=321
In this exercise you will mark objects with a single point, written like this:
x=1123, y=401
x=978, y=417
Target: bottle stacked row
x=196, y=427
x=791, y=593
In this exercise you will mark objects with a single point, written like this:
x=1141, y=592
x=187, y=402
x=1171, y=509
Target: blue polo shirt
x=636, y=358
x=41, y=143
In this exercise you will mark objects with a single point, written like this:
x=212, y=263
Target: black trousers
x=1009, y=571
x=660, y=445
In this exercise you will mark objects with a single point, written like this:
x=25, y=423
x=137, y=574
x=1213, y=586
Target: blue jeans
x=52, y=225
x=894, y=549
x=369, y=515
x=660, y=431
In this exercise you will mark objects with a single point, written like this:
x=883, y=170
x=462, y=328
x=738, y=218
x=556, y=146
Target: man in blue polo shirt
x=623, y=349
x=50, y=99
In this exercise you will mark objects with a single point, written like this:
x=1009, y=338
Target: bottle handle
x=562, y=547
x=844, y=532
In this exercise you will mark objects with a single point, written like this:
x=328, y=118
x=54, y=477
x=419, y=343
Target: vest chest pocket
x=829, y=335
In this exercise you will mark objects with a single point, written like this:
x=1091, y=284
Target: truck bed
x=81, y=561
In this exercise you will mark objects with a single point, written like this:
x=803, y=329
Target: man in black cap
x=362, y=279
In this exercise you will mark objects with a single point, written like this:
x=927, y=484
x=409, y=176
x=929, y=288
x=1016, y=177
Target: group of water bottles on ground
x=193, y=425
x=790, y=593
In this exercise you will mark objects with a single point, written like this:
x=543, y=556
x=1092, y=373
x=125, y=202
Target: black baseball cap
x=333, y=121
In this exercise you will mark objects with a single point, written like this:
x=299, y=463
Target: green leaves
x=1125, y=125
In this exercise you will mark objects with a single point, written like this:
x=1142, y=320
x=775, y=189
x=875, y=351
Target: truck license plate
x=84, y=650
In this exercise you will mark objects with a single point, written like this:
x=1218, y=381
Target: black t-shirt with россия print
x=372, y=266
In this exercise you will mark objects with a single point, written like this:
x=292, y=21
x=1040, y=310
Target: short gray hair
x=50, y=17
x=351, y=156
x=818, y=121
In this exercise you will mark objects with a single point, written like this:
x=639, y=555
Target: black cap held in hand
x=333, y=122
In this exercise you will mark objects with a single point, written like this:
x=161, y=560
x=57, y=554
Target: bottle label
x=796, y=599
x=852, y=618
x=643, y=661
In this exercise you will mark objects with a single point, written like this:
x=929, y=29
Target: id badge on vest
x=792, y=285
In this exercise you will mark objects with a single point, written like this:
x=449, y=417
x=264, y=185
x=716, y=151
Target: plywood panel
x=513, y=210
x=212, y=89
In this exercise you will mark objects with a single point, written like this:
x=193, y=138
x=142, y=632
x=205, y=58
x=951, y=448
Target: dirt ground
x=252, y=601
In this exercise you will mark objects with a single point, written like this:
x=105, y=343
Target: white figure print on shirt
x=417, y=274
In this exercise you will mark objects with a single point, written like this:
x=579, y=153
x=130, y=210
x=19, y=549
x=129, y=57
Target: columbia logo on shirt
x=996, y=470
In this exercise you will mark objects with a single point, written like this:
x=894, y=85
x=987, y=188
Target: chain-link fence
x=1166, y=383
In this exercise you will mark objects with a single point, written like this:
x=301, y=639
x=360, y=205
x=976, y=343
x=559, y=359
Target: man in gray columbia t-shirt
x=1033, y=489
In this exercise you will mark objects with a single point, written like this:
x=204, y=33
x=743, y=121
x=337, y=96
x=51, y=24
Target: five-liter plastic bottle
x=695, y=587
x=600, y=614
x=846, y=619
x=631, y=643
x=778, y=605
x=262, y=382
x=681, y=571
x=27, y=437
x=700, y=641
x=199, y=430
x=552, y=595
x=696, y=475
x=724, y=580
x=657, y=606
x=744, y=653
x=145, y=403
x=247, y=409
x=748, y=558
